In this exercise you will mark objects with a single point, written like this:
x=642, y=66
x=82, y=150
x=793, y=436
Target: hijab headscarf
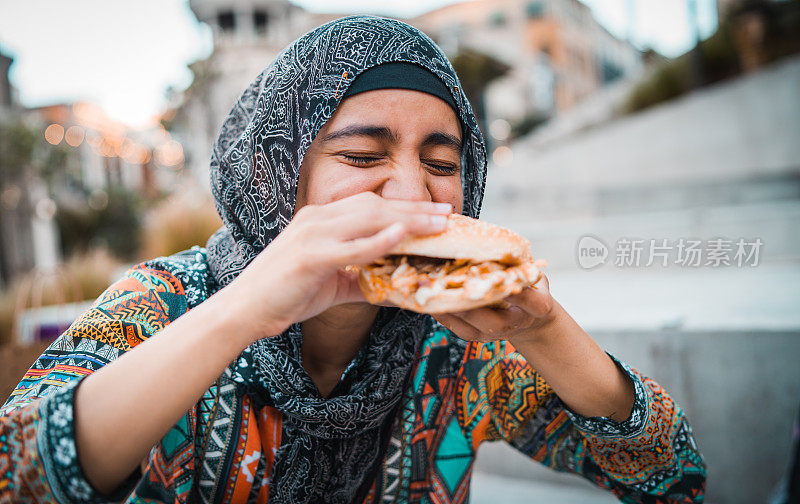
x=331, y=446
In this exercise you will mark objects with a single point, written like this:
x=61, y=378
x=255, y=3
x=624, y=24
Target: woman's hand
x=531, y=310
x=296, y=277
x=580, y=372
x=301, y=273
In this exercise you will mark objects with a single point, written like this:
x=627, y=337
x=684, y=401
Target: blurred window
x=534, y=10
x=260, y=20
x=226, y=20
x=498, y=18
x=542, y=87
x=609, y=70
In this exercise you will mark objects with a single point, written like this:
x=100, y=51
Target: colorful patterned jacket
x=223, y=449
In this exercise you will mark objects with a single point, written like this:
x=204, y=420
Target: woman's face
x=397, y=143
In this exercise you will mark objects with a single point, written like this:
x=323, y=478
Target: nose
x=407, y=183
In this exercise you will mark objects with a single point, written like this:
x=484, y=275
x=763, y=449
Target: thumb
x=347, y=289
x=365, y=250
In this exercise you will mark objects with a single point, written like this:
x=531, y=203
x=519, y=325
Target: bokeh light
x=45, y=208
x=500, y=129
x=169, y=153
x=10, y=197
x=74, y=136
x=503, y=156
x=107, y=147
x=128, y=149
x=54, y=134
x=98, y=200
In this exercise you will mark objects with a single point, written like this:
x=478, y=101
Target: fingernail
x=443, y=207
x=438, y=221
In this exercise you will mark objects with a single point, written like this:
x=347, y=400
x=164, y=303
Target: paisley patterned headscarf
x=330, y=446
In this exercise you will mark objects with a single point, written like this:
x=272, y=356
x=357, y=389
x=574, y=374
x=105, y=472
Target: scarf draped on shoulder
x=330, y=446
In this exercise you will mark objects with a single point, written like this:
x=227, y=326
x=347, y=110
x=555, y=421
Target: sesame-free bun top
x=468, y=238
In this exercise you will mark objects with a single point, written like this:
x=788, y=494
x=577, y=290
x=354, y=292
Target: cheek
x=334, y=181
x=331, y=181
x=447, y=190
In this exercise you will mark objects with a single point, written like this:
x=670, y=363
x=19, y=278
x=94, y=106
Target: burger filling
x=425, y=277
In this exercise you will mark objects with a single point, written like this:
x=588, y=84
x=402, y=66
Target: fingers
x=496, y=323
x=372, y=200
x=535, y=299
x=460, y=327
x=365, y=214
x=348, y=227
x=485, y=324
x=365, y=250
x=347, y=289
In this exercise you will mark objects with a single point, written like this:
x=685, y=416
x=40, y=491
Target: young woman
x=253, y=370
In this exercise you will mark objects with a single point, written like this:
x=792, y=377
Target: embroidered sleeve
x=651, y=457
x=38, y=460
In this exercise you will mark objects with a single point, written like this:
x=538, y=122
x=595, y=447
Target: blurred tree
x=178, y=223
x=527, y=124
x=115, y=222
x=753, y=34
x=83, y=220
x=764, y=31
x=17, y=143
x=24, y=158
x=24, y=153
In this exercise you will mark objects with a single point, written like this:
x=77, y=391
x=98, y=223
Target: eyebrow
x=384, y=133
x=378, y=132
x=444, y=139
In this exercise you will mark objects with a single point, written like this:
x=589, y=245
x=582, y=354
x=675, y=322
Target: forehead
x=402, y=109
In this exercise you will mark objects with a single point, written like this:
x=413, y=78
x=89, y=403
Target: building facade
x=107, y=155
x=248, y=35
x=5, y=85
x=557, y=52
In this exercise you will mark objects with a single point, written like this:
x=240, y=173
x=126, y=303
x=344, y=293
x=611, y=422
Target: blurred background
x=648, y=149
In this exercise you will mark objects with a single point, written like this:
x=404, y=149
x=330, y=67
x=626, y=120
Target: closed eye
x=443, y=168
x=361, y=160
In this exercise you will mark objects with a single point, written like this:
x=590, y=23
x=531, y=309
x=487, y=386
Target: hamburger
x=470, y=264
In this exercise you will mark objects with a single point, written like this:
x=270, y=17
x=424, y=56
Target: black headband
x=400, y=75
